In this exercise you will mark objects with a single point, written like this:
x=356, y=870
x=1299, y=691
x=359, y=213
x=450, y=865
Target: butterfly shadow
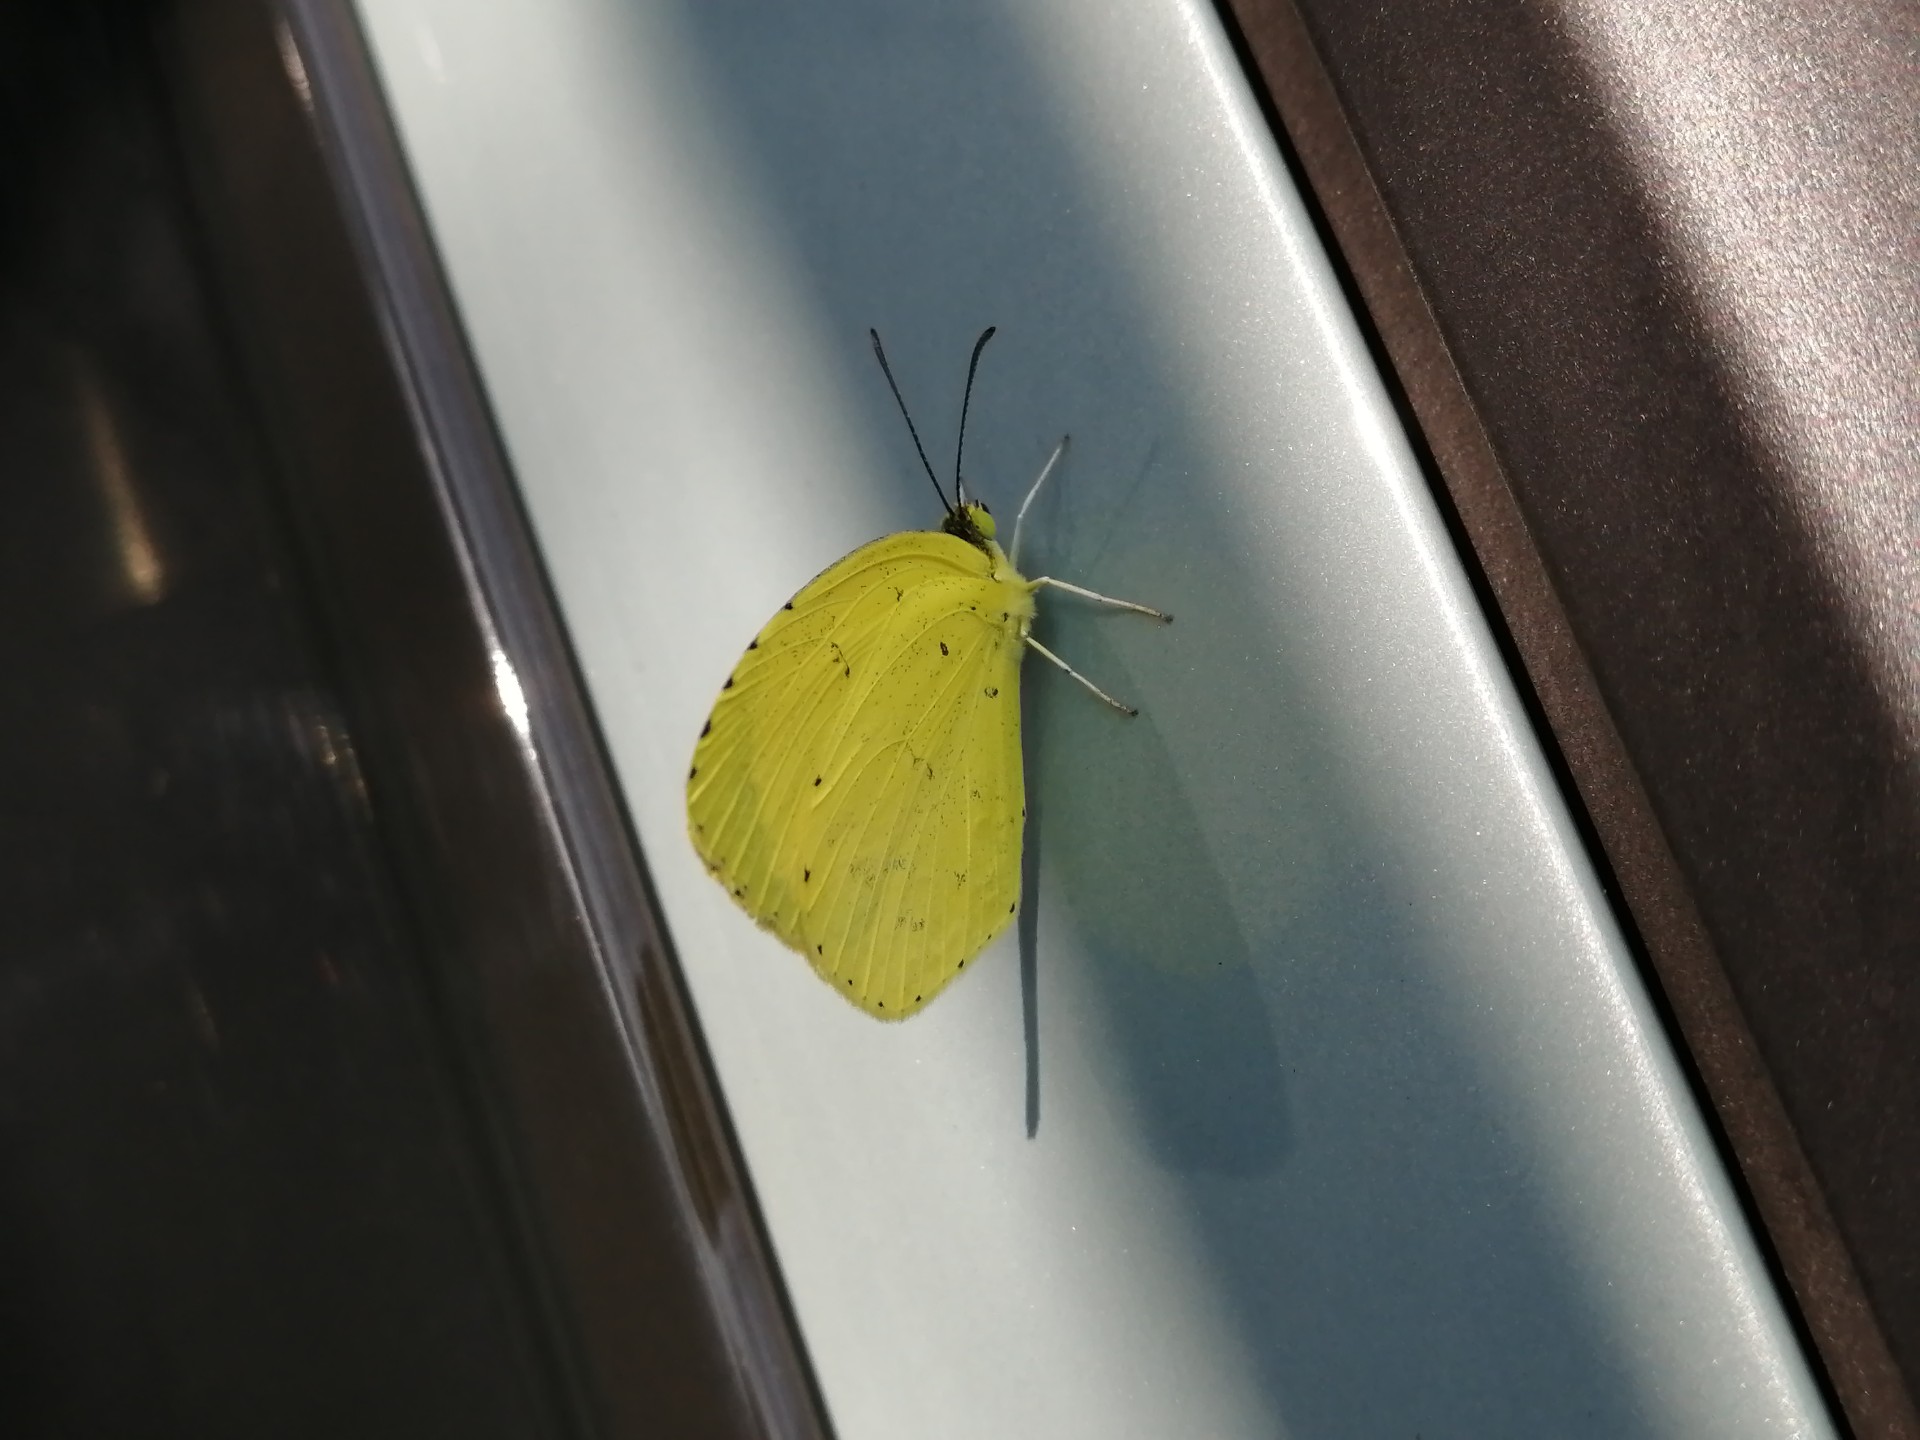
x=1111, y=829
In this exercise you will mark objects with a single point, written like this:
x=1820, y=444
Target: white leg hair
x=1021, y=517
x=1123, y=709
x=1087, y=594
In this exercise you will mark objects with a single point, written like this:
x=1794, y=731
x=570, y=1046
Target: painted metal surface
x=1316, y=1093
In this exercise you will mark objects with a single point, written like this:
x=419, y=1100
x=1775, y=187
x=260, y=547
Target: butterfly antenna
x=966, y=398
x=887, y=370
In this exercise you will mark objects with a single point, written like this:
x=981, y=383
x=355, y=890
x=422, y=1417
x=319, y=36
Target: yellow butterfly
x=858, y=787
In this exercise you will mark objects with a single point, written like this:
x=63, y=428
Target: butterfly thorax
x=973, y=522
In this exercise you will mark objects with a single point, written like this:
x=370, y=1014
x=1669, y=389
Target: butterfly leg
x=1033, y=490
x=1087, y=594
x=1123, y=709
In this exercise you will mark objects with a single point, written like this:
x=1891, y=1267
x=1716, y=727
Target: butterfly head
x=966, y=520
x=972, y=522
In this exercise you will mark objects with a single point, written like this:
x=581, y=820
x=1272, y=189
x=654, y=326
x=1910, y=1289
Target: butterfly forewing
x=858, y=787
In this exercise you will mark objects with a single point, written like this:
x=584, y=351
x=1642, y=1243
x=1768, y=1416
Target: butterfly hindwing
x=920, y=836
x=858, y=789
